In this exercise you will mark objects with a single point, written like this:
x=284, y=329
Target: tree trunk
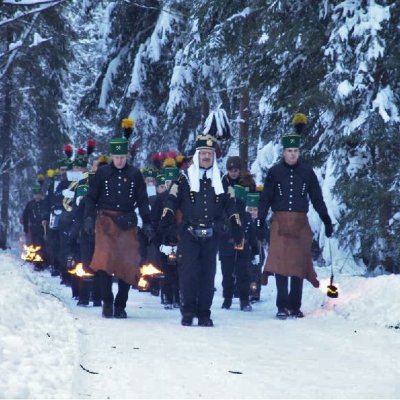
x=244, y=127
x=6, y=142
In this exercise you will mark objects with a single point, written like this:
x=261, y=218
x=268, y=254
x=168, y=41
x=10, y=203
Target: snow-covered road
x=342, y=349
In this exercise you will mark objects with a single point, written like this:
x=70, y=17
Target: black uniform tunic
x=32, y=217
x=197, y=256
x=116, y=189
x=54, y=204
x=290, y=188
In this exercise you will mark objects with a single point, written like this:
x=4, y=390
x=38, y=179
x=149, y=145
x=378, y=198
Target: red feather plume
x=68, y=150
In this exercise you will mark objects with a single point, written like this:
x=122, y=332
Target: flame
x=149, y=270
x=80, y=271
x=31, y=253
x=143, y=284
x=324, y=283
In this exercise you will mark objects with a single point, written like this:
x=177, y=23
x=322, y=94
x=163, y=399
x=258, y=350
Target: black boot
x=108, y=310
x=227, y=304
x=120, y=313
x=282, y=313
x=187, y=320
x=297, y=314
x=205, y=321
x=245, y=306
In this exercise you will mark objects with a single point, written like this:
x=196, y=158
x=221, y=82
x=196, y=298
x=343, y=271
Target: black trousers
x=53, y=248
x=107, y=295
x=89, y=286
x=197, y=267
x=170, y=285
x=285, y=299
x=235, y=271
x=92, y=286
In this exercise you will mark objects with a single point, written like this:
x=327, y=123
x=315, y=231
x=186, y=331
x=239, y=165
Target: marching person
x=256, y=265
x=202, y=201
x=54, y=206
x=234, y=169
x=235, y=260
x=32, y=219
x=114, y=193
x=288, y=188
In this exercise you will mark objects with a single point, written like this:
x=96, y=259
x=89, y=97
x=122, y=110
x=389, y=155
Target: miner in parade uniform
x=288, y=188
x=54, y=207
x=114, y=193
x=33, y=219
x=202, y=202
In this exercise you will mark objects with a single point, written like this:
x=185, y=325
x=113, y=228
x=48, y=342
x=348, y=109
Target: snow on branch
x=34, y=11
x=13, y=55
x=30, y=2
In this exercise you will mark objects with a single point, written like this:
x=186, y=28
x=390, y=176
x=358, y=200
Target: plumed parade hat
x=82, y=190
x=66, y=162
x=252, y=199
x=149, y=172
x=160, y=180
x=217, y=124
x=234, y=162
x=119, y=146
x=170, y=170
x=81, y=158
x=36, y=189
x=292, y=140
x=206, y=142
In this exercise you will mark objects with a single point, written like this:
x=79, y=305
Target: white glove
x=68, y=194
x=256, y=259
x=167, y=250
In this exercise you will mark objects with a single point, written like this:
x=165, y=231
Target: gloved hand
x=264, y=278
x=326, y=219
x=237, y=235
x=167, y=219
x=256, y=259
x=148, y=231
x=88, y=225
x=260, y=229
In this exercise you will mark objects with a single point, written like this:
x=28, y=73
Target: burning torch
x=332, y=290
x=148, y=271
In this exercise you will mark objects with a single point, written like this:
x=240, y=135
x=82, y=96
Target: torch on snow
x=147, y=273
x=31, y=254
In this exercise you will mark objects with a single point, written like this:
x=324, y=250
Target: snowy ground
x=342, y=349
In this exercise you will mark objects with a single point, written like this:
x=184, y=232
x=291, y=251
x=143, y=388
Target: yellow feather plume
x=299, y=118
x=40, y=177
x=103, y=159
x=179, y=158
x=169, y=162
x=259, y=188
x=51, y=173
x=127, y=123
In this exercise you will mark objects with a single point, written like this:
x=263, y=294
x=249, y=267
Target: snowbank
x=37, y=337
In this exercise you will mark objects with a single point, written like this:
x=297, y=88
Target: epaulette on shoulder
x=182, y=178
